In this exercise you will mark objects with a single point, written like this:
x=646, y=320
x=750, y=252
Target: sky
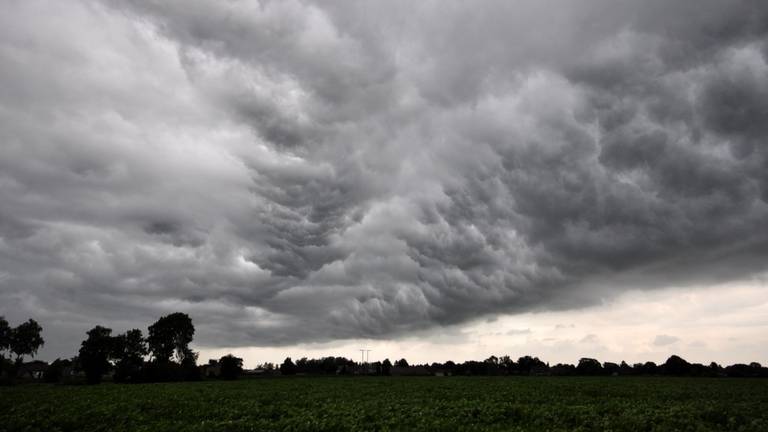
x=432, y=180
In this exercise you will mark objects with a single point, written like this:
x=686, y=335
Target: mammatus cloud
x=298, y=171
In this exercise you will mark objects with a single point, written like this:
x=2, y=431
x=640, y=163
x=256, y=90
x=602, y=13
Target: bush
x=231, y=367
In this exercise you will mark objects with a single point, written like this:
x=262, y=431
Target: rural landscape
x=384, y=215
x=157, y=384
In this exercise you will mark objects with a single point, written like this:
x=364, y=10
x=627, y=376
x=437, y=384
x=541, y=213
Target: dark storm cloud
x=299, y=171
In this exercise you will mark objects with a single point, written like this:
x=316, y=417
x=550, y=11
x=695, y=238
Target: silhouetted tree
x=5, y=336
x=25, y=339
x=5, y=345
x=302, y=365
x=231, y=367
x=562, y=369
x=129, y=350
x=326, y=366
x=171, y=335
x=527, y=364
x=401, y=363
x=386, y=367
x=647, y=368
x=288, y=368
x=492, y=366
x=741, y=370
x=95, y=352
x=589, y=366
x=506, y=363
x=677, y=366
x=611, y=368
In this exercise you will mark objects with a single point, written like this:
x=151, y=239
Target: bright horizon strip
x=725, y=323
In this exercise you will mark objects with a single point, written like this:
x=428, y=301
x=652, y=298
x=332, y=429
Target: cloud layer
x=296, y=171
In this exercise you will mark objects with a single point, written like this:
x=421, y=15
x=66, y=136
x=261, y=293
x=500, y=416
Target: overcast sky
x=431, y=179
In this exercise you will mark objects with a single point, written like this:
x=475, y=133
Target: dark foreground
x=428, y=404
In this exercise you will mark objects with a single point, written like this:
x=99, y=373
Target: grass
x=428, y=404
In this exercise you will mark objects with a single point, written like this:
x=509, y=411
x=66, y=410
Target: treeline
x=164, y=355
x=525, y=366
x=123, y=355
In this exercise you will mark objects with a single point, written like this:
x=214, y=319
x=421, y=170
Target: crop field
x=429, y=403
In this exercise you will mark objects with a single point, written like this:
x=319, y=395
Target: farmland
x=387, y=403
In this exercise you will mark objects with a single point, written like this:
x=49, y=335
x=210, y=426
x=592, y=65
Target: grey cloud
x=698, y=344
x=301, y=171
x=664, y=340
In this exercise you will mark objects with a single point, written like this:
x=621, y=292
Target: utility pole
x=364, y=358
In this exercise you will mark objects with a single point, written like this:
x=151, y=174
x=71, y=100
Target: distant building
x=34, y=369
x=211, y=370
x=71, y=372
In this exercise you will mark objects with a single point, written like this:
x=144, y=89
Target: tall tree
x=5, y=336
x=129, y=350
x=5, y=345
x=95, y=353
x=130, y=345
x=25, y=339
x=171, y=335
x=386, y=367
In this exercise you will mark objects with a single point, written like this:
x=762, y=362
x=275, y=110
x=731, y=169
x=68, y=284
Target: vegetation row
x=164, y=355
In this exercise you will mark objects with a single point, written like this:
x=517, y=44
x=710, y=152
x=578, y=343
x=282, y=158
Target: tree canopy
x=129, y=350
x=170, y=336
x=25, y=339
x=5, y=335
x=288, y=367
x=95, y=353
x=231, y=367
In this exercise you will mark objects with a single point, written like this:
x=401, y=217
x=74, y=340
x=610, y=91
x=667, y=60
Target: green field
x=452, y=403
